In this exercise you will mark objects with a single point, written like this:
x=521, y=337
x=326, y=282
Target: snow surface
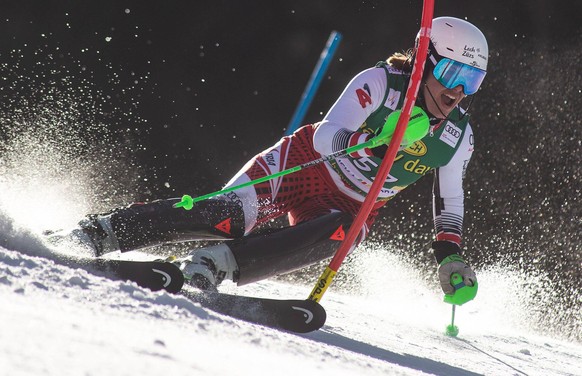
x=384, y=316
x=56, y=320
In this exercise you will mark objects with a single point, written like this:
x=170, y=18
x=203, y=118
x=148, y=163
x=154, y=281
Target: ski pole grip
x=457, y=281
x=418, y=126
x=463, y=292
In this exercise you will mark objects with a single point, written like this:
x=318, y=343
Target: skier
x=321, y=201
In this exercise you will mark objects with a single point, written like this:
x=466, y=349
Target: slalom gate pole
x=422, y=49
x=314, y=81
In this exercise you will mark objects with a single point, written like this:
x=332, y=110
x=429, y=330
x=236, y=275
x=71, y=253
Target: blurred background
x=138, y=100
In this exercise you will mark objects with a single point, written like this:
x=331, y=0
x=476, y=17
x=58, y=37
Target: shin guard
x=260, y=256
x=145, y=225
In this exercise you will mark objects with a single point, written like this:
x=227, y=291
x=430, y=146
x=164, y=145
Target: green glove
x=417, y=128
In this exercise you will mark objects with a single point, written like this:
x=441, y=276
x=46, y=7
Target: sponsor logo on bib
x=418, y=149
x=451, y=134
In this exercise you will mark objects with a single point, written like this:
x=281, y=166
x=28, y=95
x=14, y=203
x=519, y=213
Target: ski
x=154, y=275
x=298, y=316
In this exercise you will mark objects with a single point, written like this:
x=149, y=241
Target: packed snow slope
x=62, y=321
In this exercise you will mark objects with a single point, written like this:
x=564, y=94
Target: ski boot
x=206, y=268
x=94, y=235
x=139, y=226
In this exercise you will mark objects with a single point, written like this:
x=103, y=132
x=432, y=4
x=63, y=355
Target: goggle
x=451, y=73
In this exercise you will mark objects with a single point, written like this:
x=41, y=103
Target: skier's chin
x=439, y=111
x=444, y=111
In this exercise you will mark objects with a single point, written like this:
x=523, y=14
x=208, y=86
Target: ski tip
x=298, y=316
x=304, y=316
x=155, y=275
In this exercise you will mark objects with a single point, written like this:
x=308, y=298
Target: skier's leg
x=144, y=225
x=263, y=255
x=156, y=223
x=228, y=216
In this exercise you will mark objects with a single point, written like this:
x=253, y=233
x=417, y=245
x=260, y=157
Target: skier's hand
x=417, y=128
x=455, y=264
x=383, y=136
x=450, y=262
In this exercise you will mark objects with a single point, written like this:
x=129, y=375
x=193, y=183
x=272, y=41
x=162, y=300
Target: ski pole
x=417, y=130
x=188, y=201
x=463, y=294
x=314, y=81
x=452, y=330
x=330, y=271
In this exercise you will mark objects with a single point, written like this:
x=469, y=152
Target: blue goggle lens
x=451, y=73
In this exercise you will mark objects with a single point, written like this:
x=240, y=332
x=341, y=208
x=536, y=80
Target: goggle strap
x=433, y=60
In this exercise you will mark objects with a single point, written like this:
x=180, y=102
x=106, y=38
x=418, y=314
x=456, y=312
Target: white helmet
x=459, y=40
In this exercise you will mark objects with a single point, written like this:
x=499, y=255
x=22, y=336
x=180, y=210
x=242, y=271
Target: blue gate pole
x=314, y=81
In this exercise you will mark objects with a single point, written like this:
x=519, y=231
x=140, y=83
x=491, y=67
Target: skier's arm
x=448, y=210
x=448, y=193
x=339, y=128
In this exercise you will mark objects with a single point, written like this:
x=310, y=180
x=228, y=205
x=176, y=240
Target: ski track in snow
x=57, y=320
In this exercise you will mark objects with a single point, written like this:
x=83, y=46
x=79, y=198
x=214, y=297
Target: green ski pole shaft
x=188, y=201
x=452, y=330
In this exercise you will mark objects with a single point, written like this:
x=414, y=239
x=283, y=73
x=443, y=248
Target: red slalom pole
x=411, y=92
